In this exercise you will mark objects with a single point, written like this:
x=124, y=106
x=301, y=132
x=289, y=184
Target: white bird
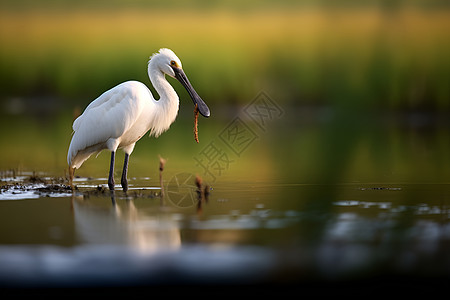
x=122, y=115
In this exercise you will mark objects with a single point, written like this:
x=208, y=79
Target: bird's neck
x=159, y=82
x=168, y=103
x=166, y=92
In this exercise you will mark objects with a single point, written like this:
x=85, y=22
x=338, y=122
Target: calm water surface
x=339, y=198
x=242, y=233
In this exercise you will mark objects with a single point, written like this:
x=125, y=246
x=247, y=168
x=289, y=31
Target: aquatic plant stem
x=162, y=162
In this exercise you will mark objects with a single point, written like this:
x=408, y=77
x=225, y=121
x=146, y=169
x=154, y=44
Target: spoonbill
x=119, y=117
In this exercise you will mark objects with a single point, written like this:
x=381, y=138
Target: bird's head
x=170, y=64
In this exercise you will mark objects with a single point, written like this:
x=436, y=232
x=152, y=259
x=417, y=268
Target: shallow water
x=242, y=233
x=337, y=199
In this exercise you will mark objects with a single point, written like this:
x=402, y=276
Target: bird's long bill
x=182, y=78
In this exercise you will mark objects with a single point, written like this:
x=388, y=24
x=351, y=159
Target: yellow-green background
x=365, y=85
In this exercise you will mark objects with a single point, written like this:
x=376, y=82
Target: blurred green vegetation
x=360, y=68
x=388, y=56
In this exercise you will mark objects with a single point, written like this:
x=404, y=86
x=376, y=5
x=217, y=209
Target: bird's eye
x=173, y=63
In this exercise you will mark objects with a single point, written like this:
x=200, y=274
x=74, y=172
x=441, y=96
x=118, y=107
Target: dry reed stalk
x=162, y=162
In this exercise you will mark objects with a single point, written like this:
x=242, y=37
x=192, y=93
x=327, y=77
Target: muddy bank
x=31, y=185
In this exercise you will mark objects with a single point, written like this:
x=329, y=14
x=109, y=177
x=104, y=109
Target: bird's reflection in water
x=121, y=222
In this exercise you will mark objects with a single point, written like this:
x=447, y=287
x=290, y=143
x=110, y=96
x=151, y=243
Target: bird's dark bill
x=182, y=78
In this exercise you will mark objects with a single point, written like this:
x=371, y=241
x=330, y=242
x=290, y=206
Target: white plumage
x=119, y=117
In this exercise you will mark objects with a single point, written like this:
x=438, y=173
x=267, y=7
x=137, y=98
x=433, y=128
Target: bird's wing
x=108, y=116
x=112, y=99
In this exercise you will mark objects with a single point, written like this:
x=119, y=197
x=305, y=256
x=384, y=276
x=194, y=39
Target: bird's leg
x=124, y=181
x=71, y=173
x=111, y=172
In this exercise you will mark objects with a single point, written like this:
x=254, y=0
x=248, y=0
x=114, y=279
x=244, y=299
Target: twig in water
x=162, y=162
x=206, y=193
x=198, y=183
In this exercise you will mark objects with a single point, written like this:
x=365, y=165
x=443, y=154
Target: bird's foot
x=111, y=184
x=124, y=184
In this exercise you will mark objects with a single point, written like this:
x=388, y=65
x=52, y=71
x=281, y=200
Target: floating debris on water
x=380, y=188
